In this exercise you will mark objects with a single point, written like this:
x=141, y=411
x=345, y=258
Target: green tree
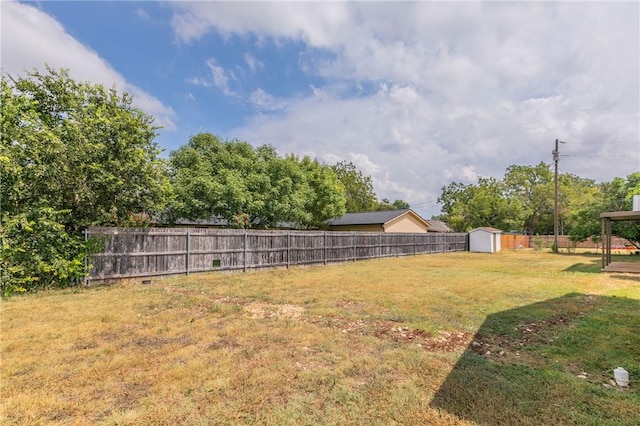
x=385, y=204
x=80, y=148
x=72, y=155
x=531, y=189
x=616, y=195
x=574, y=194
x=453, y=200
x=326, y=197
x=470, y=206
x=401, y=205
x=358, y=187
x=250, y=187
x=524, y=199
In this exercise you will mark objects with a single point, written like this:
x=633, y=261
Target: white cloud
x=313, y=22
x=31, y=39
x=462, y=173
x=465, y=89
x=253, y=63
x=142, y=14
x=462, y=89
x=218, y=77
x=265, y=102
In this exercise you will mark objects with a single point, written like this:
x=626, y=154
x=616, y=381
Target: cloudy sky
x=416, y=94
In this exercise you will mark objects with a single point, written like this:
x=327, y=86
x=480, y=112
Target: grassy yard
x=510, y=338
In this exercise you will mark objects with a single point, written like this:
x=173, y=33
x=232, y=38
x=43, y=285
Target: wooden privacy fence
x=136, y=252
x=517, y=241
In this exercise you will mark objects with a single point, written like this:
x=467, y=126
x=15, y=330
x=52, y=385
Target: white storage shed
x=484, y=240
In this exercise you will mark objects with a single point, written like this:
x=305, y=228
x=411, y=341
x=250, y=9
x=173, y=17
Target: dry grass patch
x=382, y=342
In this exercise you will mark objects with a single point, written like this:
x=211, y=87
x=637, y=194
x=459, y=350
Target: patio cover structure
x=607, y=218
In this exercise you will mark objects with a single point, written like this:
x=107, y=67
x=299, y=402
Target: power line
x=597, y=155
x=425, y=203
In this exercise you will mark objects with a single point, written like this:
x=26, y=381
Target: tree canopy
x=385, y=204
x=73, y=154
x=616, y=195
x=523, y=200
x=79, y=148
x=251, y=186
x=470, y=206
x=358, y=187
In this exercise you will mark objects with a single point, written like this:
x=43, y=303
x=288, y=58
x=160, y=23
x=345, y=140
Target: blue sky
x=416, y=94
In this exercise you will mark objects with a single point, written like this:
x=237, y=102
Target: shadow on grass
x=592, y=267
x=549, y=363
x=628, y=277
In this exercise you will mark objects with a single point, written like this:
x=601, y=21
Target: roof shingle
x=366, y=218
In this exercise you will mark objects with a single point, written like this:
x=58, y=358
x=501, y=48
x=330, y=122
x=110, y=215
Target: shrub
x=37, y=252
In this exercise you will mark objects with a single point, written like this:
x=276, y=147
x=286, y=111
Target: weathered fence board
x=135, y=252
x=511, y=241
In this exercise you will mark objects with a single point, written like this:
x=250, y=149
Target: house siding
x=406, y=223
x=357, y=228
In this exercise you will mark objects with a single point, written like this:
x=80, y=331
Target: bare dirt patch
x=443, y=341
x=513, y=348
x=269, y=310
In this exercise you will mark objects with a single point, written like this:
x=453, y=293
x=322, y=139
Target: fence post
x=187, y=260
x=354, y=245
x=86, y=260
x=289, y=249
x=415, y=248
x=245, y=251
x=324, y=251
x=380, y=245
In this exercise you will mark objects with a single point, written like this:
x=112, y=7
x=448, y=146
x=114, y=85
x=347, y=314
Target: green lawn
x=463, y=338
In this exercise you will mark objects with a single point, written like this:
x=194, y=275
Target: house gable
x=407, y=222
x=383, y=221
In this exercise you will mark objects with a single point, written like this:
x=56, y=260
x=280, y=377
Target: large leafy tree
x=326, y=197
x=470, y=206
x=523, y=200
x=73, y=154
x=251, y=187
x=616, y=195
x=358, y=187
x=575, y=194
x=80, y=148
x=531, y=190
x=385, y=204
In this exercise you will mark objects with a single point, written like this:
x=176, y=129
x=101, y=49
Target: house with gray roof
x=405, y=220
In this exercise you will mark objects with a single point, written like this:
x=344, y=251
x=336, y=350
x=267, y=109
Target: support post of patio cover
x=609, y=241
x=602, y=240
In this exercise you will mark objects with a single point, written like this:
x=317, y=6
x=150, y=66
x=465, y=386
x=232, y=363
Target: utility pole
x=556, y=157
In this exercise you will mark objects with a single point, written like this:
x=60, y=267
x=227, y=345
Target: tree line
x=76, y=154
x=523, y=200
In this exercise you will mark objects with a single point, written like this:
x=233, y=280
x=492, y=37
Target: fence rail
x=512, y=241
x=136, y=252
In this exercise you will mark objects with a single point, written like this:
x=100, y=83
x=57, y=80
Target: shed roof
x=371, y=218
x=487, y=229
